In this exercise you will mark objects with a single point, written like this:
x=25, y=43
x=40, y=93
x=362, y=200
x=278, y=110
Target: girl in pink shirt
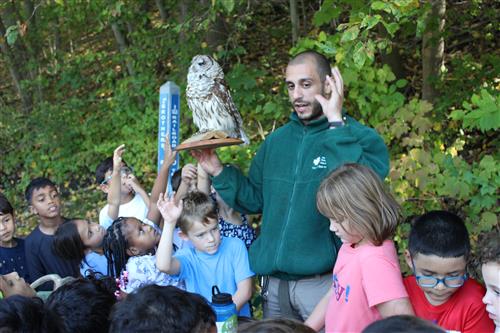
x=367, y=282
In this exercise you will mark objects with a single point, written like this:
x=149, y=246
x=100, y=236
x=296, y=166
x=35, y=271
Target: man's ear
x=327, y=88
x=408, y=258
x=132, y=251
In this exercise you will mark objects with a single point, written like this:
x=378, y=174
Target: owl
x=209, y=99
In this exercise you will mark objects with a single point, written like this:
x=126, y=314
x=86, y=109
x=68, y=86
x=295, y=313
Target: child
x=489, y=256
x=231, y=222
x=367, y=282
x=82, y=305
x=12, y=284
x=81, y=240
x=12, y=256
x=132, y=201
x=163, y=309
x=43, y=199
x=130, y=245
x=213, y=260
x=440, y=291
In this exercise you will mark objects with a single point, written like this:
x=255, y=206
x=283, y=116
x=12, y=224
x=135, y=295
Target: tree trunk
x=295, y=21
x=122, y=42
x=161, y=9
x=183, y=12
x=433, y=49
x=393, y=59
x=17, y=68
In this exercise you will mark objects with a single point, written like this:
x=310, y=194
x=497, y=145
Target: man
x=295, y=251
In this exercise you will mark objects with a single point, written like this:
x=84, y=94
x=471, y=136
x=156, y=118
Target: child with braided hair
x=130, y=244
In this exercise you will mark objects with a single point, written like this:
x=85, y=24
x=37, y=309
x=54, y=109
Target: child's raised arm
x=188, y=176
x=170, y=211
x=161, y=181
x=115, y=183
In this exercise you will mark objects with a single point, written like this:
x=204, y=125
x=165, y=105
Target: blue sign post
x=168, y=124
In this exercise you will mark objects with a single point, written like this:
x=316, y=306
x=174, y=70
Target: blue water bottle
x=225, y=311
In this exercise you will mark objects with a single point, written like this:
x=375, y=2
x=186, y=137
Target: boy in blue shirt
x=43, y=199
x=213, y=260
x=12, y=256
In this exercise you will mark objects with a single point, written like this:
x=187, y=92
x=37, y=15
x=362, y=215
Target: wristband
x=336, y=124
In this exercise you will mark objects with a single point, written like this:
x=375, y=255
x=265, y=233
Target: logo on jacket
x=319, y=163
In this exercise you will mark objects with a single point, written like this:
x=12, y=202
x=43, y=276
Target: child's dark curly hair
x=115, y=247
x=488, y=247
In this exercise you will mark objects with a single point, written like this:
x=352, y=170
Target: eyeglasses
x=124, y=171
x=431, y=281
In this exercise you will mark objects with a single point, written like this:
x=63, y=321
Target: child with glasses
x=133, y=199
x=367, y=282
x=439, y=289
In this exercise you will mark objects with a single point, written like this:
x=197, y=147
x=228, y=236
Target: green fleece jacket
x=295, y=240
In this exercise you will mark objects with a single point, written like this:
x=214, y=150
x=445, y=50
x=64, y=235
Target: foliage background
x=89, y=74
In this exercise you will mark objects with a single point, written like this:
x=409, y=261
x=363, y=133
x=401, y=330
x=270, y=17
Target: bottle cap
x=220, y=298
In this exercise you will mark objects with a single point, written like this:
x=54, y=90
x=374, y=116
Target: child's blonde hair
x=197, y=207
x=355, y=193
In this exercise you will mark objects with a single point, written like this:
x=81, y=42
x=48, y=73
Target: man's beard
x=317, y=112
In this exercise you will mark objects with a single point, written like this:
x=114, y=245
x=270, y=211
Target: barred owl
x=209, y=99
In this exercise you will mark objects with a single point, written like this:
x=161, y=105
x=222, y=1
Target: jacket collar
x=315, y=125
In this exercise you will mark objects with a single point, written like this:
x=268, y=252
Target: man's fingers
x=339, y=83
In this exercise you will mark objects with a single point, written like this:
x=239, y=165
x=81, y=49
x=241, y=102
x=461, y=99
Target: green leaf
x=350, y=34
x=228, y=5
x=391, y=28
x=328, y=12
x=401, y=83
x=379, y=5
x=11, y=34
x=359, y=55
x=488, y=220
x=370, y=21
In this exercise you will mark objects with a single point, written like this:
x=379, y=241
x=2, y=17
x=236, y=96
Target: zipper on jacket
x=299, y=154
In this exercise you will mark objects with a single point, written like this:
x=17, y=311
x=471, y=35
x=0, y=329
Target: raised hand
x=189, y=174
x=169, y=154
x=208, y=160
x=117, y=157
x=332, y=106
x=169, y=209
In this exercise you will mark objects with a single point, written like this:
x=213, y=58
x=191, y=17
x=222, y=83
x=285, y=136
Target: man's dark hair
x=5, y=206
x=83, y=305
x=24, y=314
x=162, y=309
x=439, y=233
x=36, y=184
x=323, y=66
x=402, y=324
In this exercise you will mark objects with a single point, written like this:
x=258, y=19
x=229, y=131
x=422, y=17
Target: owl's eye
x=201, y=62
